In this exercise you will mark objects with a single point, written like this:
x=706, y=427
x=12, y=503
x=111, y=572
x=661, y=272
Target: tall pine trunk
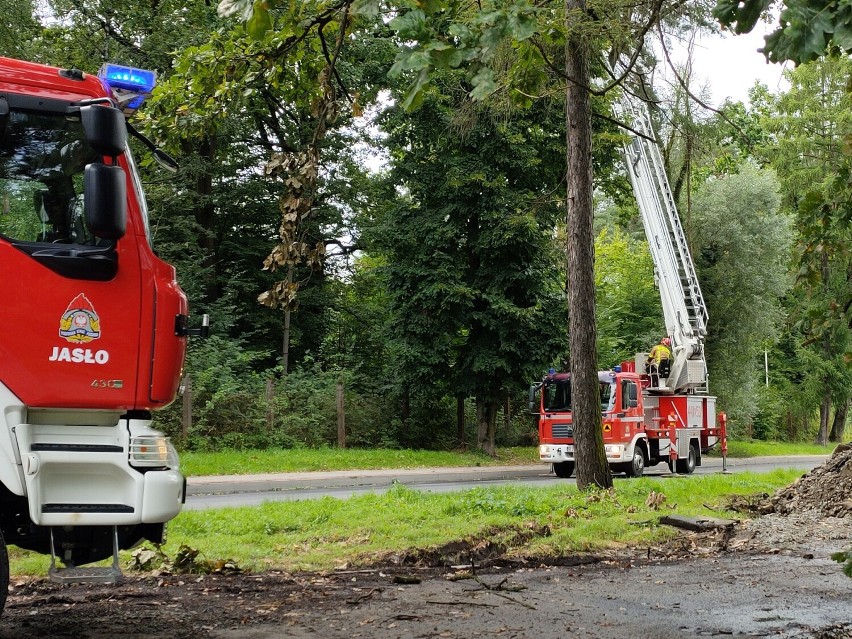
x=592, y=467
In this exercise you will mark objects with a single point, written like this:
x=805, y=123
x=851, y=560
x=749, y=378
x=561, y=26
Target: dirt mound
x=826, y=489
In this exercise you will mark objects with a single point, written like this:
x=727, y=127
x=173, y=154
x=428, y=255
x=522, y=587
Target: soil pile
x=826, y=489
x=812, y=516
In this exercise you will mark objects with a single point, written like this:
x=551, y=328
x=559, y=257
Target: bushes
x=232, y=407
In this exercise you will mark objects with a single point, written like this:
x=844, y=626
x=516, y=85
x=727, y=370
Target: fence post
x=507, y=415
x=460, y=420
x=186, y=418
x=270, y=396
x=341, y=418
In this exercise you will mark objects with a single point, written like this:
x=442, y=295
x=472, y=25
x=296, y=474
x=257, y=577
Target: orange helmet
x=665, y=341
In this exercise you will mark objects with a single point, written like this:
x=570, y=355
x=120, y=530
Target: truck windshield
x=42, y=158
x=557, y=395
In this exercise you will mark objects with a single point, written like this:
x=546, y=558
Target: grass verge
x=246, y=462
x=758, y=448
x=330, y=533
x=241, y=462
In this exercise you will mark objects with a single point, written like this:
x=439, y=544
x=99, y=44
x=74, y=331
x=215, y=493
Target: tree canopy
x=431, y=259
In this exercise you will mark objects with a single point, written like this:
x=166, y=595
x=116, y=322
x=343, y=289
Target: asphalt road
x=249, y=490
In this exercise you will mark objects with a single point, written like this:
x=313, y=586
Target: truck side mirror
x=105, y=129
x=105, y=200
x=532, y=398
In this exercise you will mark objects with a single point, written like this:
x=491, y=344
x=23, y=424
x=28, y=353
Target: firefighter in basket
x=658, y=363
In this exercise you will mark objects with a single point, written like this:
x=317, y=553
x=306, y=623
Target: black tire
x=636, y=467
x=563, y=470
x=687, y=466
x=4, y=573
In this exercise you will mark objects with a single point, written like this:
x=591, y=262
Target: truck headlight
x=152, y=451
x=614, y=450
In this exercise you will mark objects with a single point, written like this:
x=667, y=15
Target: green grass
x=757, y=448
x=240, y=462
x=533, y=521
x=244, y=462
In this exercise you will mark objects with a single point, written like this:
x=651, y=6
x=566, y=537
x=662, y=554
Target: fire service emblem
x=80, y=323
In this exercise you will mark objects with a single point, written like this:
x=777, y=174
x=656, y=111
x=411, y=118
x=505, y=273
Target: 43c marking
x=107, y=383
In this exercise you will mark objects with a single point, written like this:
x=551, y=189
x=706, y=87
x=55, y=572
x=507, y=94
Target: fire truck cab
x=95, y=326
x=640, y=429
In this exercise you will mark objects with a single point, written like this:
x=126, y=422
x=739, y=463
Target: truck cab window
x=607, y=396
x=628, y=394
x=42, y=158
x=557, y=395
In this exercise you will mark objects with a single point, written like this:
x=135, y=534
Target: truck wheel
x=563, y=470
x=4, y=573
x=637, y=465
x=687, y=466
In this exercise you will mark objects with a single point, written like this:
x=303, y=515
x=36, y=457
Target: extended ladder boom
x=684, y=310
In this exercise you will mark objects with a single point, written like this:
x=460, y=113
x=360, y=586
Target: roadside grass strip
x=404, y=524
x=242, y=462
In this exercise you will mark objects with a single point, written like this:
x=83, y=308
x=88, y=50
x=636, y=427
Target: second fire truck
x=675, y=420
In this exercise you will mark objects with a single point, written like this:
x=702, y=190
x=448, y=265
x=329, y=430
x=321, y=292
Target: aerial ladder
x=684, y=310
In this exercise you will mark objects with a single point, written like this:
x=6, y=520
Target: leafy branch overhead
x=805, y=31
x=298, y=172
x=443, y=41
x=298, y=169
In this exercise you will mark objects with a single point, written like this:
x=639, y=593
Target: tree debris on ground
x=827, y=488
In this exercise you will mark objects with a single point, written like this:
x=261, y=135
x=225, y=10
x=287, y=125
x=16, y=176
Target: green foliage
x=741, y=261
x=19, y=29
x=813, y=126
x=845, y=558
x=627, y=304
x=83, y=35
x=225, y=390
x=806, y=29
x=467, y=240
x=448, y=37
x=812, y=159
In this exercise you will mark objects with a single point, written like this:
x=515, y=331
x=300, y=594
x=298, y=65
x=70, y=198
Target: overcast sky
x=731, y=64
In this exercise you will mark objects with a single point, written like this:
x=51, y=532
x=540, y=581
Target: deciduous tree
x=477, y=307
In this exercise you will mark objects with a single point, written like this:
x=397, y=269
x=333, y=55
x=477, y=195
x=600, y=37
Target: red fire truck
x=640, y=428
x=96, y=325
x=673, y=419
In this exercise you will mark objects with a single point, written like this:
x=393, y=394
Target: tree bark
x=592, y=467
x=838, y=426
x=824, y=411
x=486, y=425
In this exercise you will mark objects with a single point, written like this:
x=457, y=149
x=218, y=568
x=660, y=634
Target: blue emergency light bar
x=128, y=78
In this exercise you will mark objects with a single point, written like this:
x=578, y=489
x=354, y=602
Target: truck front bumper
x=97, y=476
x=556, y=453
